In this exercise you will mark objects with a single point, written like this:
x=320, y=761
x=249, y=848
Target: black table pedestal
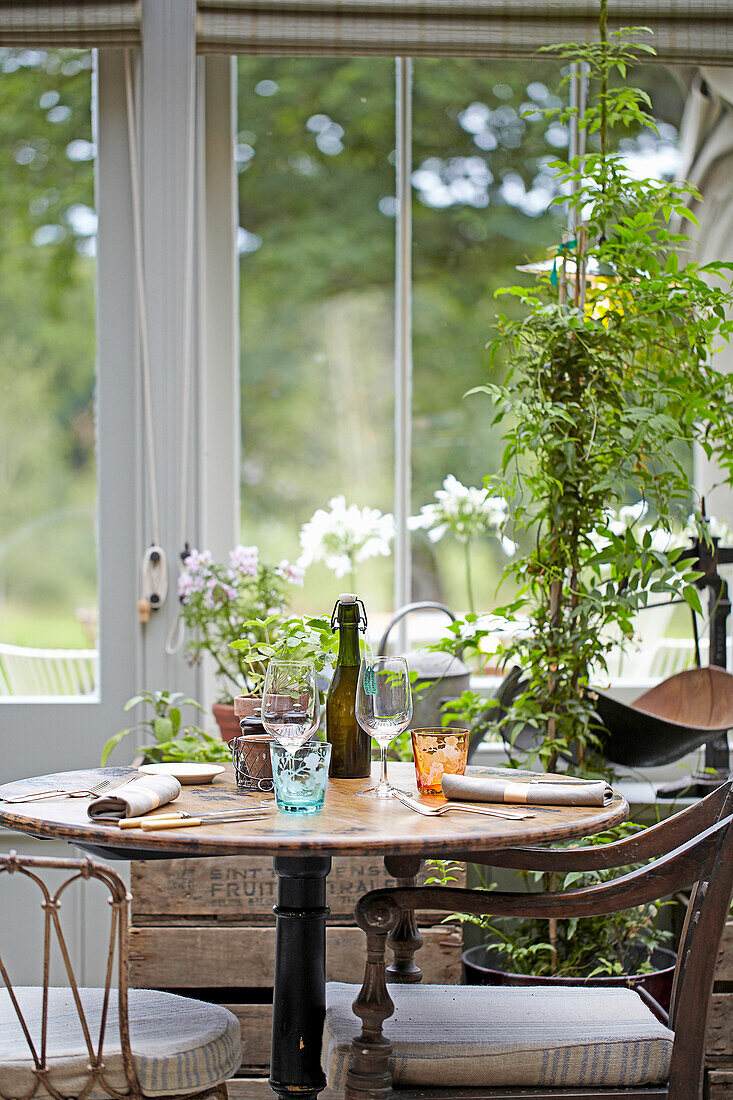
x=299, y=999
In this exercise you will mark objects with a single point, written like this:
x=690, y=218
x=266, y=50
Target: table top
x=347, y=825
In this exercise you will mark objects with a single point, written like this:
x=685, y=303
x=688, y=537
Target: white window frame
x=70, y=732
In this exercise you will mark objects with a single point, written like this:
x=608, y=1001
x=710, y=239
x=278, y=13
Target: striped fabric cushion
x=179, y=1045
x=503, y=1036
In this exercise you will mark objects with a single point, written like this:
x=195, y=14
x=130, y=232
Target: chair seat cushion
x=503, y=1036
x=179, y=1045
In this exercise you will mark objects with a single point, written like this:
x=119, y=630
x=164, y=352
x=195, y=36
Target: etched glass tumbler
x=300, y=776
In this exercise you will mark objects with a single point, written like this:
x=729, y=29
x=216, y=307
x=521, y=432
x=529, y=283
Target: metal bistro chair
x=544, y=1042
x=72, y=1043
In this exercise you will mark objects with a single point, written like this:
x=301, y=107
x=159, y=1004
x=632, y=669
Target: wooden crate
x=719, y=1039
x=206, y=925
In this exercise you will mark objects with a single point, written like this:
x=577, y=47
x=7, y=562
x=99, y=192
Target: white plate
x=185, y=773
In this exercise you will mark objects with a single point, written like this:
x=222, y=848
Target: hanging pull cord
x=154, y=576
x=141, y=302
x=176, y=634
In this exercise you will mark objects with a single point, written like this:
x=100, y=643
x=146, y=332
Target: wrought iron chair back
x=117, y=964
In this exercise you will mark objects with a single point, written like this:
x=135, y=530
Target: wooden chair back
x=692, y=849
x=117, y=965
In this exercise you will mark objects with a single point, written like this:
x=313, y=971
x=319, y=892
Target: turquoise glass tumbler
x=300, y=776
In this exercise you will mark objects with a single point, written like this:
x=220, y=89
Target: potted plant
x=608, y=375
x=217, y=600
x=296, y=638
x=171, y=740
x=629, y=948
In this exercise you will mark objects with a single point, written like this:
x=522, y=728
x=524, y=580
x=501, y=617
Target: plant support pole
x=403, y=339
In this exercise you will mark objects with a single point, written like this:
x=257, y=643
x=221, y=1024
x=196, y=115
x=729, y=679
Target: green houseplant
x=277, y=638
x=217, y=599
x=609, y=381
x=171, y=740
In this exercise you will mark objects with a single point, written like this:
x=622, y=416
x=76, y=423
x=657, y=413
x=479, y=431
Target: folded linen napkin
x=539, y=790
x=135, y=799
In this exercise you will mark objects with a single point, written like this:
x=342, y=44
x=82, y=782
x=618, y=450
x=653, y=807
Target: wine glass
x=290, y=702
x=383, y=708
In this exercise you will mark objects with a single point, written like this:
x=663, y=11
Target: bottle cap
x=347, y=597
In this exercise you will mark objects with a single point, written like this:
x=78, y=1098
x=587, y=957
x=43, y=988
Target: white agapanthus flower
x=343, y=537
x=465, y=512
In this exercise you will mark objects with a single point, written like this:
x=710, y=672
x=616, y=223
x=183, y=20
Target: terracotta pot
x=226, y=720
x=247, y=705
x=483, y=967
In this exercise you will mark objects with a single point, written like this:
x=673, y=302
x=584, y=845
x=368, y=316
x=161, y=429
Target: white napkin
x=545, y=790
x=135, y=799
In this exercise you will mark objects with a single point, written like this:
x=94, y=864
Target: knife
x=181, y=819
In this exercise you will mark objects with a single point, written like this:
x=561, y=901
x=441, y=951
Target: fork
x=438, y=811
x=103, y=787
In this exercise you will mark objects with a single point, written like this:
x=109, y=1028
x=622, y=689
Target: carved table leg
x=406, y=939
x=299, y=1000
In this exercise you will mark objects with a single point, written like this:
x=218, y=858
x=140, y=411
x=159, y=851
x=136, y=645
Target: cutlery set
x=106, y=786
x=182, y=820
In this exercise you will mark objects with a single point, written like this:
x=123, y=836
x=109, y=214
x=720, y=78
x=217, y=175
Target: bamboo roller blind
x=684, y=30
x=78, y=23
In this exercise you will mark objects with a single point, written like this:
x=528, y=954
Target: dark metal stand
x=299, y=999
x=717, y=753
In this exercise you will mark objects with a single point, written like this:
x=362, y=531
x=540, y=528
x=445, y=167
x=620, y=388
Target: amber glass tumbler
x=439, y=750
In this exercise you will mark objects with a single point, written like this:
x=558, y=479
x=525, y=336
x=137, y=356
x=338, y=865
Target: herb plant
x=284, y=639
x=171, y=742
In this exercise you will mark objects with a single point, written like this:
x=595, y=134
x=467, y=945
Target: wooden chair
x=545, y=1042
x=72, y=1043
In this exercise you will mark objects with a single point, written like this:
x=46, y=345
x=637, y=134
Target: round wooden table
x=302, y=849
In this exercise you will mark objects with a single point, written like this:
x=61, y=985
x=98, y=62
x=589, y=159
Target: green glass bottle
x=351, y=747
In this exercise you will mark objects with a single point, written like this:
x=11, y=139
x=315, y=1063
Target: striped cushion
x=502, y=1036
x=179, y=1045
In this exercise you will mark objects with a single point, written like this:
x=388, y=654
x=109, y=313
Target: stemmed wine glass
x=290, y=702
x=383, y=708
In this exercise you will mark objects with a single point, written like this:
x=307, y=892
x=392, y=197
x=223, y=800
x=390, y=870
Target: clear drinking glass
x=383, y=708
x=300, y=776
x=290, y=702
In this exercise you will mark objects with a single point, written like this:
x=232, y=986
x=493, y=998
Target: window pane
x=48, y=558
x=316, y=239
x=482, y=187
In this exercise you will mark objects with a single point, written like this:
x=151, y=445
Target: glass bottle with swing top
x=351, y=746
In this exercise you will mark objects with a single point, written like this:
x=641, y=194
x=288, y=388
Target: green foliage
x=443, y=872
x=219, y=602
x=47, y=326
x=604, y=380
x=172, y=741
x=284, y=639
x=613, y=944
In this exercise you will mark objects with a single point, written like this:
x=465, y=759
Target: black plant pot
x=483, y=967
